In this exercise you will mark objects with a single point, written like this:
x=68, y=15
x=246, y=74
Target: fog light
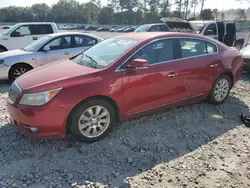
x=32, y=129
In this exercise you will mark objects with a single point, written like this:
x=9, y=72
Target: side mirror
x=46, y=48
x=209, y=32
x=15, y=34
x=138, y=64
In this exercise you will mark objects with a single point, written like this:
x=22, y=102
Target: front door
x=155, y=86
x=211, y=31
x=58, y=49
x=20, y=38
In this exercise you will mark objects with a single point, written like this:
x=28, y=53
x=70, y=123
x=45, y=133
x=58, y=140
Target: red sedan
x=120, y=78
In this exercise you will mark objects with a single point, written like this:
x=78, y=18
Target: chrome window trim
x=194, y=38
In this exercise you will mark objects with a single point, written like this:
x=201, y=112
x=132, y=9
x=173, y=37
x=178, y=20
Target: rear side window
x=164, y=28
x=192, y=47
x=83, y=41
x=155, y=28
x=211, y=48
x=41, y=29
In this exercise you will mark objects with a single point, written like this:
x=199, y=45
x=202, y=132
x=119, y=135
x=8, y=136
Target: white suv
x=23, y=34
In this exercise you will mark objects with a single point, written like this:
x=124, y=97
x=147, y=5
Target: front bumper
x=4, y=72
x=48, y=121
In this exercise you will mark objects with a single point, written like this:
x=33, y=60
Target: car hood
x=13, y=53
x=55, y=75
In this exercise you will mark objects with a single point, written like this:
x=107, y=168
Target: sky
x=220, y=4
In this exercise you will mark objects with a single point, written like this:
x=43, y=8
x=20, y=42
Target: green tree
x=207, y=14
x=106, y=15
x=40, y=12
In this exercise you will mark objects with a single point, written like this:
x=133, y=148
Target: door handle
x=66, y=53
x=214, y=65
x=34, y=38
x=172, y=74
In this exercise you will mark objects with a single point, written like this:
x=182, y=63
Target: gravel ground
x=200, y=145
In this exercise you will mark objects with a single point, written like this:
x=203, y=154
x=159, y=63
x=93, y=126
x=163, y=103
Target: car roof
x=72, y=33
x=155, y=35
x=155, y=24
x=202, y=21
x=35, y=23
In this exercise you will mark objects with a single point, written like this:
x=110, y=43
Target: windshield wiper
x=92, y=60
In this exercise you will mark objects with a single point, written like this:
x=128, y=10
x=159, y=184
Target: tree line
x=114, y=12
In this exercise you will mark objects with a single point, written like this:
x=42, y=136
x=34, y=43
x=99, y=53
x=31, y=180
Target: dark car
x=102, y=29
x=91, y=28
x=122, y=78
x=130, y=29
x=157, y=27
x=82, y=27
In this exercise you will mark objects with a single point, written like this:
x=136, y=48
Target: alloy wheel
x=221, y=90
x=94, y=121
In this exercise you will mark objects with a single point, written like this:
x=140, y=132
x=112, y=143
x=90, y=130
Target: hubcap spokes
x=19, y=72
x=94, y=121
x=221, y=90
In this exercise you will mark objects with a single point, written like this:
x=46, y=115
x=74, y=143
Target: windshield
x=35, y=45
x=198, y=26
x=142, y=28
x=105, y=53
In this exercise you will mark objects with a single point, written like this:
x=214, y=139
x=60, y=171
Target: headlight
x=38, y=99
x=1, y=61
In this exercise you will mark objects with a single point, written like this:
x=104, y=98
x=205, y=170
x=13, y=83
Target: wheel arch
x=3, y=47
x=230, y=75
x=102, y=97
x=18, y=64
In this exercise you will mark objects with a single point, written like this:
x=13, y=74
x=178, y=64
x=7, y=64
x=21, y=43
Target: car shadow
x=133, y=147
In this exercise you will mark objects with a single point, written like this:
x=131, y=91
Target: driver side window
x=211, y=29
x=59, y=43
x=156, y=52
x=21, y=31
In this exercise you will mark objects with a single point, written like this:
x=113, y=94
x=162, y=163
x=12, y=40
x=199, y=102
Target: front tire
x=18, y=70
x=92, y=120
x=220, y=90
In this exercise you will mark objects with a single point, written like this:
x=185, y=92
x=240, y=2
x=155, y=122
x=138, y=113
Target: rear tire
x=92, y=120
x=220, y=90
x=18, y=70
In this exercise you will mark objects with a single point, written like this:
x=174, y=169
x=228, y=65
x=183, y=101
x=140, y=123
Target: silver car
x=47, y=49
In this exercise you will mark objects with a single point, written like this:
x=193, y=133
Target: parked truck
x=225, y=32
x=22, y=34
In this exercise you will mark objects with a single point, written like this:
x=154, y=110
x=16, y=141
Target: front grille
x=14, y=92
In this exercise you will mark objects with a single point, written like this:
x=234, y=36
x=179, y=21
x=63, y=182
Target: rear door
x=199, y=64
x=39, y=30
